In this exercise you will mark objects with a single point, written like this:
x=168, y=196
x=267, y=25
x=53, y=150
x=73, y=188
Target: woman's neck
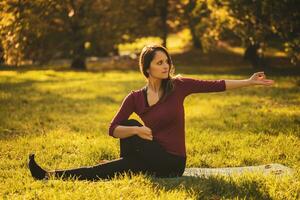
x=154, y=84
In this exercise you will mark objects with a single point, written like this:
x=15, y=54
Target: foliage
x=248, y=23
x=262, y=22
x=42, y=30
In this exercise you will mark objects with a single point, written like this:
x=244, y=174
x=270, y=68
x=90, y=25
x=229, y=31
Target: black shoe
x=36, y=171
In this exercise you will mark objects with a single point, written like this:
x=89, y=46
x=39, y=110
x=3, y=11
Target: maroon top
x=165, y=118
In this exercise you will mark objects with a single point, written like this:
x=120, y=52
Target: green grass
x=63, y=116
x=176, y=42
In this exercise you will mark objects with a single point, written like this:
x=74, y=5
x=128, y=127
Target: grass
x=63, y=116
x=176, y=43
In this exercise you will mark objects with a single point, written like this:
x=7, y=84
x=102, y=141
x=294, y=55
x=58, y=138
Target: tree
x=206, y=19
x=12, y=29
x=252, y=26
x=42, y=30
x=168, y=16
x=162, y=7
x=259, y=22
x=194, y=11
x=284, y=22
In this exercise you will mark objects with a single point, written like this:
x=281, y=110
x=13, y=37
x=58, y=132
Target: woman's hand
x=144, y=132
x=259, y=78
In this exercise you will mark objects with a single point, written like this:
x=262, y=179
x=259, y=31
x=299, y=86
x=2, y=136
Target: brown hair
x=146, y=56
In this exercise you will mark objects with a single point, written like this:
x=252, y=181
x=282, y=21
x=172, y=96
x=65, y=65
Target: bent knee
x=131, y=122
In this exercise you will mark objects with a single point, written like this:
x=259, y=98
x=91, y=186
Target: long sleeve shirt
x=165, y=118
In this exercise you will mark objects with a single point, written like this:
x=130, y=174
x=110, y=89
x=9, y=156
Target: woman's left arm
x=258, y=78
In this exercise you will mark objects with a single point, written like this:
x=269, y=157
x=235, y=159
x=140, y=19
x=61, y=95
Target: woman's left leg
x=127, y=163
x=101, y=171
x=138, y=155
x=104, y=171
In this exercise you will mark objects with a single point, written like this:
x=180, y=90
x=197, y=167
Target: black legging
x=137, y=155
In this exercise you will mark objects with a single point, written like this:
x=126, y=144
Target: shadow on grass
x=63, y=68
x=213, y=187
x=238, y=71
x=222, y=62
x=218, y=62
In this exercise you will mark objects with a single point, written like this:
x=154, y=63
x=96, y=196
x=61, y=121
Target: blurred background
x=66, y=66
x=99, y=34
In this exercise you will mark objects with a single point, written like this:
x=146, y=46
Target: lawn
x=63, y=116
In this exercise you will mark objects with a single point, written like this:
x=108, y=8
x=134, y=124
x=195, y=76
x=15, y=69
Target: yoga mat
x=274, y=168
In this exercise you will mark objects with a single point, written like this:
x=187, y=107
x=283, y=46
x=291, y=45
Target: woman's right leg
x=152, y=154
x=129, y=146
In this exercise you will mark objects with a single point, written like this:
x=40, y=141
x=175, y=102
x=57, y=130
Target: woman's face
x=159, y=66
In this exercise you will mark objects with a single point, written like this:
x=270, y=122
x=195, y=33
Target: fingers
x=260, y=74
x=150, y=136
x=269, y=82
x=146, y=137
x=260, y=79
x=148, y=133
x=266, y=82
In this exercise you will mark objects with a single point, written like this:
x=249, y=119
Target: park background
x=66, y=66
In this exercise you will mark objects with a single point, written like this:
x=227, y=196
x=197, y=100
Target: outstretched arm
x=257, y=78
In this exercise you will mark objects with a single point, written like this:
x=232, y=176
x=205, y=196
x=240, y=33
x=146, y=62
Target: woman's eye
x=160, y=62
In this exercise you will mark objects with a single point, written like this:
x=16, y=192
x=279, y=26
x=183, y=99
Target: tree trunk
x=164, y=18
x=78, y=61
x=1, y=53
x=196, y=40
x=78, y=37
x=251, y=55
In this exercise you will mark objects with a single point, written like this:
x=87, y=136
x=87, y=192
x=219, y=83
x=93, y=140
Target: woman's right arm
x=118, y=131
x=127, y=131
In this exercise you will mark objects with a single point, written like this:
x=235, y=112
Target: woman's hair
x=146, y=56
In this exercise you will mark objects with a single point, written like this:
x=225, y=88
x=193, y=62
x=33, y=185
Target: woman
x=158, y=146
